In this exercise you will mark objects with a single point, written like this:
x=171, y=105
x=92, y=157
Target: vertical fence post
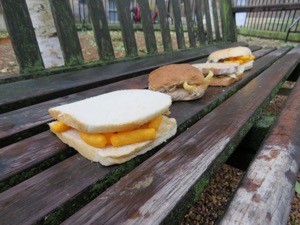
x=228, y=21
x=22, y=35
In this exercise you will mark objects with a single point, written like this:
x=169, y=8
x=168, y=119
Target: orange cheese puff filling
x=155, y=123
x=95, y=140
x=240, y=59
x=100, y=140
x=133, y=136
x=59, y=127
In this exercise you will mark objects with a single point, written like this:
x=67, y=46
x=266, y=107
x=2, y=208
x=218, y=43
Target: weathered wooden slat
x=266, y=191
x=101, y=31
x=123, y=8
x=37, y=115
x=189, y=22
x=264, y=8
x=23, y=40
x=199, y=16
x=216, y=21
x=178, y=24
x=66, y=32
x=209, y=31
x=179, y=171
x=228, y=21
x=28, y=91
x=164, y=25
x=147, y=26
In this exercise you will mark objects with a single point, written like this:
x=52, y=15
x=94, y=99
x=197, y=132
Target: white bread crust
x=114, y=111
x=116, y=155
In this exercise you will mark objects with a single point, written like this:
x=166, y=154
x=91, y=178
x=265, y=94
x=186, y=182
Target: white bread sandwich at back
x=224, y=73
x=241, y=55
x=181, y=81
x=115, y=127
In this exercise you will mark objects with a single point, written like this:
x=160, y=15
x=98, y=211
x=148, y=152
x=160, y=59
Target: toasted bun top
x=229, y=52
x=174, y=74
x=114, y=111
x=217, y=68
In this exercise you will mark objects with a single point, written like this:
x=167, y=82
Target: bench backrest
x=219, y=26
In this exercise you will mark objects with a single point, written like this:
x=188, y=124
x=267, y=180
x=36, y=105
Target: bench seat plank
x=19, y=94
x=32, y=191
x=265, y=193
x=151, y=195
x=37, y=116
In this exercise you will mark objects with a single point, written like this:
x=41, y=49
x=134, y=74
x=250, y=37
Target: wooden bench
x=44, y=181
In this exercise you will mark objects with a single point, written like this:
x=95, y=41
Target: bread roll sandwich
x=224, y=73
x=241, y=55
x=115, y=127
x=181, y=81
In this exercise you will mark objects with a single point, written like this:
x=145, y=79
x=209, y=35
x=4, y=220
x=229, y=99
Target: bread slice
x=229, y=52
x=224, y=80
x=217, y=68
x=115, y=111
x=116, y=155
x=172, y=75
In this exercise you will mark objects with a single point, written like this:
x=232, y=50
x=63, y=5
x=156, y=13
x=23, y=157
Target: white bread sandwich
x=115, y=127
x=224, y=73
x=181, y=81
x=241, y=55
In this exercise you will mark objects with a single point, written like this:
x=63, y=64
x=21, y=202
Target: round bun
x=229, y=52
x=114, y=111
x=174, y=74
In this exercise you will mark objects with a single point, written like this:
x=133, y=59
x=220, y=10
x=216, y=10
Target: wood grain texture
x=147, y=26
x=66, y=32
x=100, y=28
x=265, y=193
x=151, y=191
x=178, y=24
x=124, y=16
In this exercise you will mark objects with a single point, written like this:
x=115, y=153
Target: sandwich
x=241, y=55
x=181, y=81
x=115, y=127
x=224, y=73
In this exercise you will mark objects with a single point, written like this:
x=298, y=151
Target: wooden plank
x=164, y=26
x=27, y=92
x=178, y=24
x=264, y=8
x=189, y=22
x=168, y=178
x=209, y=31
x=22, y=35
x=200, y=26
x=124, y=15
x=66, y=32
x=265, y=193
x=100, y=28
x=228, y=21
x=147, y=26
x=33, y=190
x=216, y=21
